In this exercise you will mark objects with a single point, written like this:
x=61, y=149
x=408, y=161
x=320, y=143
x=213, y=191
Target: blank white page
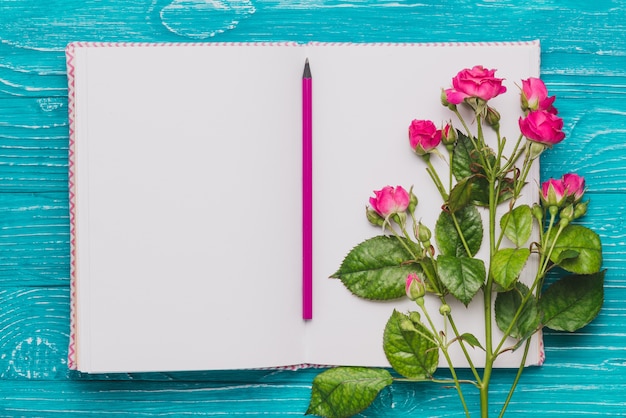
x=188, y=212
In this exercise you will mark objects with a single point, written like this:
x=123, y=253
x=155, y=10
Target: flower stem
x=406, y=247
x=444, y=350
x=516, y=380
x=435, y=177
x=458, y=115
x=517, y=152
x=462, y=344
x=487, y=297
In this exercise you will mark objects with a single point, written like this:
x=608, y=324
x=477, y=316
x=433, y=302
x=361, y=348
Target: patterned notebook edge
x=69, y=60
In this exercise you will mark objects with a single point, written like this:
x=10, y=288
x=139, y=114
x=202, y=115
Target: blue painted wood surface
x=583, y=63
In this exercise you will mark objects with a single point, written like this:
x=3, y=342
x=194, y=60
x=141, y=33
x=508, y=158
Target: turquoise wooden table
x=583, y=63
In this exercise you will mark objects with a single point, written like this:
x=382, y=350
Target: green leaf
x=573, y=301
x=466, y=164
x=507, y=264
x=506, y=306
x=460, y=195
x=346, y=391
x=518, y=225
x=471, y=340
x=585, y=242
x=463, y=276
x=480, y=191
x=410, y=347
x=507, y=186
x=377, y=268
x=466, y=161
x=447, y=237
x=564, y=255
x=463, y=161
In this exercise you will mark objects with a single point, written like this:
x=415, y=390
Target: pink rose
x=574, y=186
x=553, y=192
x=390, y=200
x=476, y=82
x=543, y=127
x=535, y=96
x=415, y=288
x=423, y=136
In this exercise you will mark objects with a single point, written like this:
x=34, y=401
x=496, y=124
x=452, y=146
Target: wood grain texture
x=583, y=63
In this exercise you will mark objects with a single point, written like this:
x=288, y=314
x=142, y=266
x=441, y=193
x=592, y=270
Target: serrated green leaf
x=471, y=340
x=573, y=301
x=564, y=255
x=466, y=161
x=480, y=191
x=447, y=237
x=460, y=195
x=376, y=269
x=507, y=264
x=585, y=242
x=518, y=225
x=346, y=391
x=465, y=164
x=506, y=306
x=462, y=160
x=410, y=347
x=462, y=276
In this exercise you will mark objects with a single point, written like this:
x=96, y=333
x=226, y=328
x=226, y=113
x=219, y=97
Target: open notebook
x=185, y=189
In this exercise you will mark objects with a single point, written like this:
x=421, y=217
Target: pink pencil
x=307, y=193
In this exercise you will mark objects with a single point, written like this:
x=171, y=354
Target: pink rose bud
x=477, y=82
x=423, y=136
x=449, y=135
x=543, y=127
x=415, y=288
x=390, y=200
x=535, y=96
x=553, y=193
x=574, y=186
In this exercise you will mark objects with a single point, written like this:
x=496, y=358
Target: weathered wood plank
x=145, y=398
x=34, y=239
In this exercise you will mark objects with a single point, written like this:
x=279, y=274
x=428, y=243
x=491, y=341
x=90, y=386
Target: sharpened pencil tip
x=307, y=69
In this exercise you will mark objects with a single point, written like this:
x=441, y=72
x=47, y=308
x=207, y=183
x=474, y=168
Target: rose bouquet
x=480, y=207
